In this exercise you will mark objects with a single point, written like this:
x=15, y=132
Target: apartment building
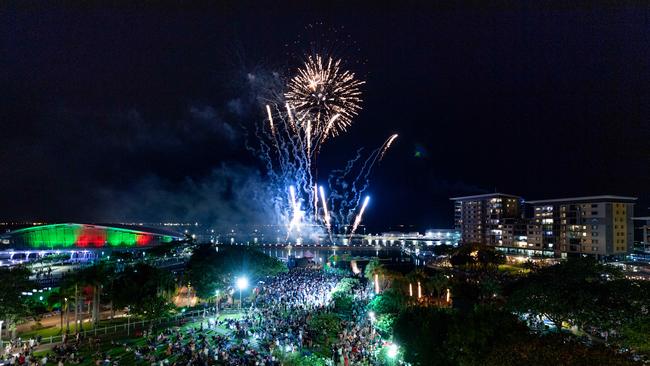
x=594, y=225
x=481, y=218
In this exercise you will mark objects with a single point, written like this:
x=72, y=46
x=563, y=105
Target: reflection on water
x=322, y=254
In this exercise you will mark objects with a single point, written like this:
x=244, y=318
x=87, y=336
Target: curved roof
x=87, y=236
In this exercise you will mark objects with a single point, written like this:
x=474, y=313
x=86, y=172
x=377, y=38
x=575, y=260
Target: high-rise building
x=481, y=219
x=595, y=225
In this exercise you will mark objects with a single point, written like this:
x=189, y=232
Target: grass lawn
x=513, y=269
x=55, y=330
x=128, y=358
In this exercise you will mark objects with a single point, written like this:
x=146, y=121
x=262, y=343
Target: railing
x=127, y=327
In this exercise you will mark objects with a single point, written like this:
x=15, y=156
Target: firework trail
x=357, y=221
x=387, y=146
x=268, y=111
x=318, y=103
x=353, y=186
x=326, y=214
x=316, y=202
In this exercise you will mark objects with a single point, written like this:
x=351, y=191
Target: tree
x=578, y=290
x=488, y=288
x=146, y=290
x=422, y=333
x=635, y=336
x=443, y=249
x=434, y=336
x=94, y=278
x=385, y=323
x=373, y=267
x=296, y=359
x=477, y=256
x=390, y=301
x=15, y=281
x=343, y=303
x=437, y=284
x=209, y=270
x=553, y=350
x=473, y=335
x=324, y=329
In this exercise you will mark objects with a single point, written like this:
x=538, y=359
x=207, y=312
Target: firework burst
x=326, y=95
x=318, y=103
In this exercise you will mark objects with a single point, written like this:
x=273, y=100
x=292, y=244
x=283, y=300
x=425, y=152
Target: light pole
x=373, y=318
x=242, y=284
x=216, y=301
x=67, y=316
x=392, y=350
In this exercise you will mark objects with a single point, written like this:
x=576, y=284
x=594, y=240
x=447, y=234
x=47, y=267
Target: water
x=322, y=254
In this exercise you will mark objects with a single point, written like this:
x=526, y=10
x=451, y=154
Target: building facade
x=489, y=219
x=643, y=233
x=594, y=225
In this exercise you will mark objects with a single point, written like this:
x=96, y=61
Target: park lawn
x=55, y=330
x=513, y=269
x=128, y=358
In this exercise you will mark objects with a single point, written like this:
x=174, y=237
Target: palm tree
x=437, y=284
x=96, y=277
x=416, y=278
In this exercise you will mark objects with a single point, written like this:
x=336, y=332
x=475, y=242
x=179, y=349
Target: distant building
x=480, y=219
x=643, y=232
x=86, y=236
x=441, y=236
x=595, y=225
x=397, y=238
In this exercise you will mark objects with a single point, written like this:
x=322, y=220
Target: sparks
x=329, y=126
x=322, y=90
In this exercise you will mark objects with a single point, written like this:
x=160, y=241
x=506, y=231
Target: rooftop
x=487, y=195
x=586, y=198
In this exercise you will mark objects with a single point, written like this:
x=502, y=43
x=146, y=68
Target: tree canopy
x=210, y=270
x=144, y=289
x=15, y=281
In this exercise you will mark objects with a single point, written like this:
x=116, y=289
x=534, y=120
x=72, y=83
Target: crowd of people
x=22, y=352
x=358, y=342
x=275, y=324
x=275, y=321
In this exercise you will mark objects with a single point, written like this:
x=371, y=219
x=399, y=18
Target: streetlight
x=67, y=322
x=392, y=351
x=242, y=284
x=373, y=318
x=216, y=301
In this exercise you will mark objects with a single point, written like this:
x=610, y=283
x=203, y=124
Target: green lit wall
x=63, y=236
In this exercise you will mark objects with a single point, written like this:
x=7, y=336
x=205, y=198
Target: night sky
x=139, y=114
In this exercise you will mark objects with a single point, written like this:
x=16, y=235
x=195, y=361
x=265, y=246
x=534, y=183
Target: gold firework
x=325, y=95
